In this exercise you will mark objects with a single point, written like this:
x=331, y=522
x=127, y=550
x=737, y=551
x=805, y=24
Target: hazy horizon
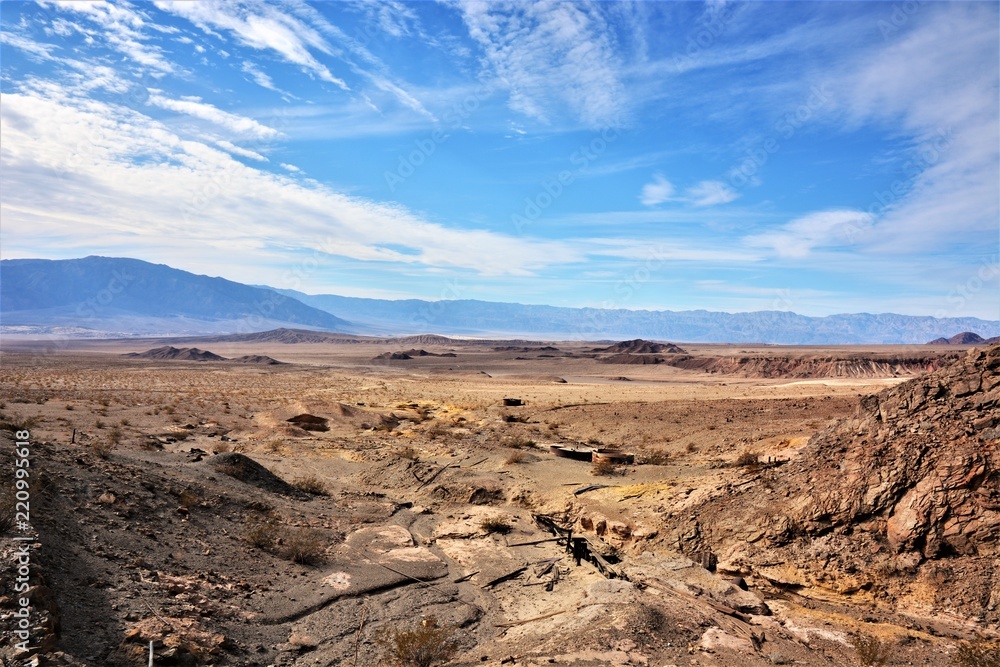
x=819, y=158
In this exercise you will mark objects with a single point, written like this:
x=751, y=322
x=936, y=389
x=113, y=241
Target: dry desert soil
x=374, y=502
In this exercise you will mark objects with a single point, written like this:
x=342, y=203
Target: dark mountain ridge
x=101, y=292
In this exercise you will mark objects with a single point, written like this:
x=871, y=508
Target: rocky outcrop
x=924, y=455
x=909, y=483
x=806, y=366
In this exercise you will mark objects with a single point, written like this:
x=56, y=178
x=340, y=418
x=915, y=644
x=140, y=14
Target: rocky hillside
x=822, y=366
x=882, y=503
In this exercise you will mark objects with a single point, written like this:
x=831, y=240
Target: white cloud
x=798, y=238
x=122, y=26
x=80, y=171
x=261, y=27
x=242, y=152
x=936, y=84
x=38, y=49
x=656, y=192
x=290, y=167
x=551, y=56
x=711, y=193
x=259, y=77
x=193, y=106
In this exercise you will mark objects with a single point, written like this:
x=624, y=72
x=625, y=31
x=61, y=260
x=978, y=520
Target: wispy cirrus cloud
x=195, y=107
x=552, y=57
x=78, y=170
x=261, y=26
x=711, y=193
x=798, y=238
x=124, y=27
x=949, y=193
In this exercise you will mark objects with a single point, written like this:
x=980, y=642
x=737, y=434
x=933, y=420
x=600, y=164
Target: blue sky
x=819, y=157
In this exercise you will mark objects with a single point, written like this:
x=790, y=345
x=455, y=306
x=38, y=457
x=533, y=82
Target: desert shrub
x=517, y=442
x=515, y=419
x=656, y=457
x=99, y=424
x=871, y=650
x=748, y=459
x=595, y=442
x=16, y=422
x=221, y=447
x=115, y=436
x=426, y=646
x=102, y=448
x=124, y=422
x=262, y=530
x=8, y=504
x=188, y=498
x=70, y=407
x=691, y=448
x=311, y=484
x=437, y=431
x=407, y=453
x=305, y=546
x=273, y=446
x=515, y=457
x=980, y=653
x=495, y=524
x=603, y=467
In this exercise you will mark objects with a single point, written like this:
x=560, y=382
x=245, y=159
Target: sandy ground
x=432, y=489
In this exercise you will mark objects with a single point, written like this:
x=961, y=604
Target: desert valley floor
x=374, y=501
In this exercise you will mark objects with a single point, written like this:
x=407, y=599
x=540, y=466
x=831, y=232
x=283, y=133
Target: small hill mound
x=257, y=359
x=964, y=338
x=640, y=346
x=248, y=471
x=175, y=353
x=631, y=359
x=392, y=356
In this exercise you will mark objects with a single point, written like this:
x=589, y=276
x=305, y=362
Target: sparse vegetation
x=407, y=453
x=517, y=442
x=304, y=546
x=604, y=467
x=7, y=508
x=979, y=653
x=102, y=448
x=871, y=650
x=748, y=459
x=515, y=457
x=262, y=530
x=426, y=646
x=655, y=457
x=495, y=524
x=312, y=485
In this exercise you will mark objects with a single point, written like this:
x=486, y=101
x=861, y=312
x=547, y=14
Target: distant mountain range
x=129, y=296
x=102, y=296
